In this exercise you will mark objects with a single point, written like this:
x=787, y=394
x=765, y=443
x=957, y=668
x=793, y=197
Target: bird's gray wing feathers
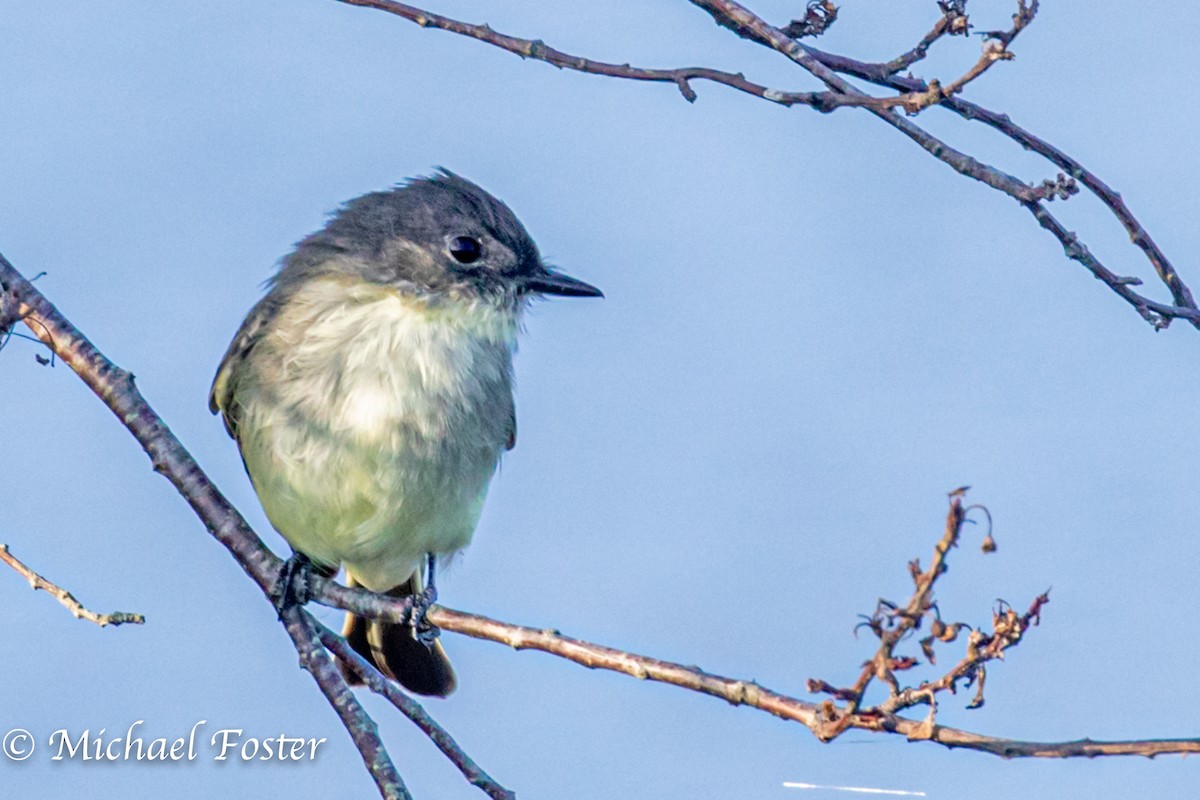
x=512, y=427
x=224, y=387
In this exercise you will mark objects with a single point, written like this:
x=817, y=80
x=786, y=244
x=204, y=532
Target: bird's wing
x=224, y=387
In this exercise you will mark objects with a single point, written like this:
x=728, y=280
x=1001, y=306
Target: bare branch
x=1157, y=314
x=19, y=301
x=749, y=26
x=362, y=729
x=750, y=694
x=410, y=708
x=538, y=50
x=953, y=22
x=1161, y=314
x=893, y=624
x=995, y=47
x=916, y=95
x=67, y=599
x=118, y=392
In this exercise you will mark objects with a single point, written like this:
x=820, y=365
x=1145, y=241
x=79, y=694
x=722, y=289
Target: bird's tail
x=395, y=650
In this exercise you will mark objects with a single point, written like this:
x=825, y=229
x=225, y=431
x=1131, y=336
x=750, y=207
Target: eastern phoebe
x=370, y=391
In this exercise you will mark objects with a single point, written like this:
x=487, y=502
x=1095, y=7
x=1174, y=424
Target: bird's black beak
x=550, y=282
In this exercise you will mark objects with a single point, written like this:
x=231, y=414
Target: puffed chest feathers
x=383, y=367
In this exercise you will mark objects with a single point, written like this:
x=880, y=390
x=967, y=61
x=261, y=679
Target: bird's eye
x=465, y=249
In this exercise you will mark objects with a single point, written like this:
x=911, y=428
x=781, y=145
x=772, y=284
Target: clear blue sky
x=812, y=332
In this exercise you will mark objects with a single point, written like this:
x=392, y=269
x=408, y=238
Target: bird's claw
x=293, y=587
x=426, y=632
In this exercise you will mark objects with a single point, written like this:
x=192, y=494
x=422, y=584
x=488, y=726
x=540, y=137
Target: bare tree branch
x=750, y=26
x=538, y=50
x=67, y=599
x=893, y=623
x=915, y=96
x=362, y=729
x=1159, y=314
x=410, y=708
x=748, y=693
x=953, y=22
x=117, y=390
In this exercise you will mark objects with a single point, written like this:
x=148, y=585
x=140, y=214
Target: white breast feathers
x=372, y=422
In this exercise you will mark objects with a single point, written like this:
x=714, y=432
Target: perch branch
x=117, y=390
x=748, y=693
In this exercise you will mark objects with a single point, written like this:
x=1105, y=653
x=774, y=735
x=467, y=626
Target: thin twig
x=410, y=708
x=995, y=48
x=362, y=729
x=1157, y=314
x=892, y=624
x=67, y=599
x=953, y=22
x=752, y=27
x=1008, y=628
x=1184, y=306
x=538, y=50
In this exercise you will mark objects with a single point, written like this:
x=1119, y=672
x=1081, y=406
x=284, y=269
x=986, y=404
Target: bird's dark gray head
x=440, y=235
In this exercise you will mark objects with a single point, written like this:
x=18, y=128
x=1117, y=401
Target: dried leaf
x=951, y=632
x=927, y=649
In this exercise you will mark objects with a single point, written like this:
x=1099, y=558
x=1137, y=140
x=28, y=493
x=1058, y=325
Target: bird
x=370, y=393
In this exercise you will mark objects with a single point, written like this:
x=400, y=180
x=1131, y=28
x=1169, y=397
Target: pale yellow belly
x=376, y=510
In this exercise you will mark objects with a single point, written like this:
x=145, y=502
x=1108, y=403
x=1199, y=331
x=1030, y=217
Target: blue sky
x=812, y=332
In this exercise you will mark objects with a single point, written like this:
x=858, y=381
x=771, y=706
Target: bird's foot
x=427, y=633
x=293, y=587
